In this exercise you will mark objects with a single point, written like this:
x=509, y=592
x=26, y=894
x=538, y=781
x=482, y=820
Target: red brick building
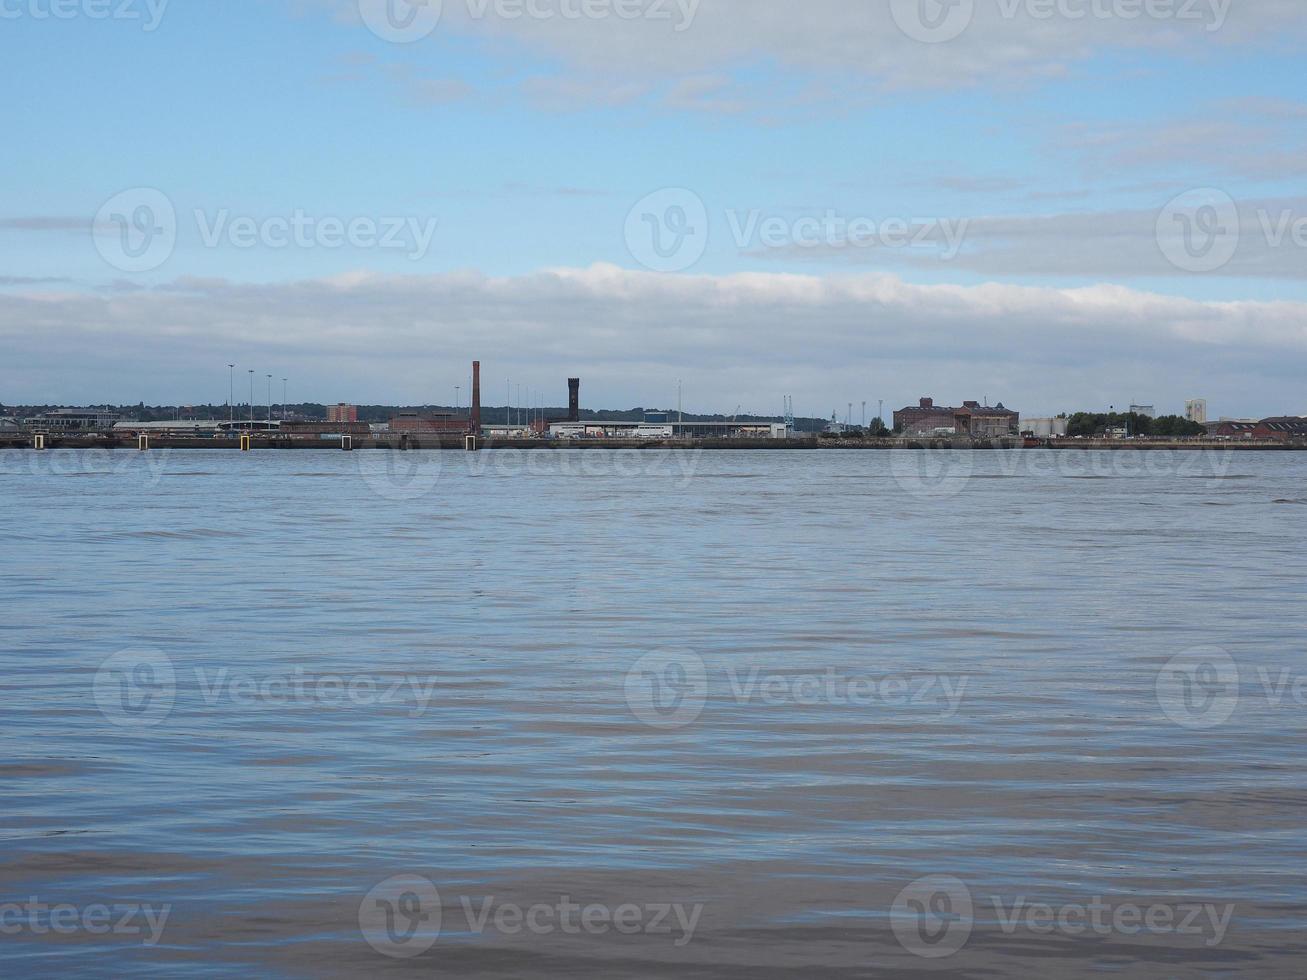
x=1285, y=428
x=343, y=413
x=1282, y=428
x=972, y=419
x=444, y=422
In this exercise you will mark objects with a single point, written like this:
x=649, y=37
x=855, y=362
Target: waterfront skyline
x=327, y=221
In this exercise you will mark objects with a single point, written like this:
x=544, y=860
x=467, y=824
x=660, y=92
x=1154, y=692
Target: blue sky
x=504, y=156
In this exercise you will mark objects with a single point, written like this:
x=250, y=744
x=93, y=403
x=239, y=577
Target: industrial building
x=1282, y=428
x=669, y=430
x=74, y=420
x=971, y=419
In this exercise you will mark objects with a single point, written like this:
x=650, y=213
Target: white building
x=1195, y=410
x=1045, y=428
x=1147, y=411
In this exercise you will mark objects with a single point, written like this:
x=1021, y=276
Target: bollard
x=347, y=443
x=245, y=444
x=38, y=441
x=142, y=442
x=470, y=444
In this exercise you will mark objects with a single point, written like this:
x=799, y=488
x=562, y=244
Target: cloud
x=1270, y=243
x=1003, y=41
x=739, y=339
x=45, y=223
x=30, y=280
x=1219, y=145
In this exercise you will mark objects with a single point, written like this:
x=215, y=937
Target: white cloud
x=740, y=339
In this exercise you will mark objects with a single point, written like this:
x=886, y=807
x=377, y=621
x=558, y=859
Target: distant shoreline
x=396, y=442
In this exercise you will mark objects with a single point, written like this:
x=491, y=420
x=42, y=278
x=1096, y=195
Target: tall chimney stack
x=574, y=400
x=476, y=398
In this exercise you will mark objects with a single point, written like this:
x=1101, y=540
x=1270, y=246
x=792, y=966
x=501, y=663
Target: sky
x=1062, y=205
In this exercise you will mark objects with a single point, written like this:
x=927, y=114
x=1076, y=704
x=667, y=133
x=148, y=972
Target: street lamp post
x=231, y=394
x=251, y=400
x=283, y=399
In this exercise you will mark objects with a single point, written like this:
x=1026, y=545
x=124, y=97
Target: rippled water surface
x=762, y=694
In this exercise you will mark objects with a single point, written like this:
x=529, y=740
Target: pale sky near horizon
x=1057, y=204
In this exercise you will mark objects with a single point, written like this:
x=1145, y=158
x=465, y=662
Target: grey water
x=664, y=714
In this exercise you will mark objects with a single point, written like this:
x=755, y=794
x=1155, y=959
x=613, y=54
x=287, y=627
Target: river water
x=728, y=714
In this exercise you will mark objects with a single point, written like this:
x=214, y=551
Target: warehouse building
x=971, y=419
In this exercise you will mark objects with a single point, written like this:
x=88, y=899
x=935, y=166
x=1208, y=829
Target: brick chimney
x=476, y=398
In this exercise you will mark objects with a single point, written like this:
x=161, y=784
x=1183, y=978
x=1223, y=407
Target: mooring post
x=470, y=444
x=38, y=441
x=246, y=443
x=347, y=443
x=142, y=442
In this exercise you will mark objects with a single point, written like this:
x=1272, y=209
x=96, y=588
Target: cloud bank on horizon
x=1062, y=204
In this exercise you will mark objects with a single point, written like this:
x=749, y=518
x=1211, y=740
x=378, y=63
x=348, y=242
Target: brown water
x=611, y=715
